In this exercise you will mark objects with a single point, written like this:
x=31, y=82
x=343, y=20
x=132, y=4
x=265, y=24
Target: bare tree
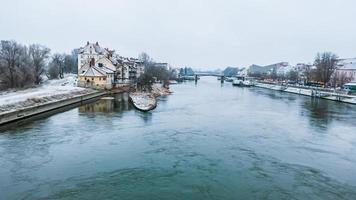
x=339, y=78
x=69, y=64
x=10, y=54
x=309, y=73
x=25, y=73
x=293, y=75
x=326, y=64
x=38, y=55
x=74, y=55
x=56, y=66
x=146, y=59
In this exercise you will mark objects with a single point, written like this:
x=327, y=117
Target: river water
x=206, y=141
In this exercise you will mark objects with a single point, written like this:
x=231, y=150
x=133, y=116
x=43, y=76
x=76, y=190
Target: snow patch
x=49, y=90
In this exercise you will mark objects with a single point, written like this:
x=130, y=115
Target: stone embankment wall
x=11, y=116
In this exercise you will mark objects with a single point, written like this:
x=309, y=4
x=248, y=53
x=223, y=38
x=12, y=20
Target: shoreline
x=12, y=116
x=27, y=112
x=314, y=93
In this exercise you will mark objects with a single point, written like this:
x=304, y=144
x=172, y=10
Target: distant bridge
x=208, y=74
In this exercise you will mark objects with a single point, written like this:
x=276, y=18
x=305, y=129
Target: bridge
x=208, y=74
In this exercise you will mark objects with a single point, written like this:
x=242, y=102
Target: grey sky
x=203, y=34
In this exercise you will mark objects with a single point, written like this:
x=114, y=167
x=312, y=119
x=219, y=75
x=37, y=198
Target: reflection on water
x=115, y=104
x=322, y=113
x=118, y=103
x=205, y=141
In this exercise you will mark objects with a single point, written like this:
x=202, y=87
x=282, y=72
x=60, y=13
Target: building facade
x=95, y=67
x=101, y=68
x=346, y=69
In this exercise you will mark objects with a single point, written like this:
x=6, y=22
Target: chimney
x=92, y=62
x=87, y=42
x=97, y=43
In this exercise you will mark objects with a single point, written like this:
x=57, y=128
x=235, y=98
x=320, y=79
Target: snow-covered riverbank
x=50, y=90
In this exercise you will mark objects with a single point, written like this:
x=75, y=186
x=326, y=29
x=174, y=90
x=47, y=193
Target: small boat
x=229, y=79
x=237, y=82
x=247, y=83
x=350, y=87
x=242, y=81
x=143, y=101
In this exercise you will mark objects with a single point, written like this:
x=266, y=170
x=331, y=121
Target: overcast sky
x=198, y=33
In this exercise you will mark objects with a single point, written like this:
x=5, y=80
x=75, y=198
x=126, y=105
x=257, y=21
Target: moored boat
x=247, y=83
x=350, y=87
x=242, y=81
x=237, y=82
x=229, y=79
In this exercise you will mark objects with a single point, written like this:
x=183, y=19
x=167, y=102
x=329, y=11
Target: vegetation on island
x=153, y=73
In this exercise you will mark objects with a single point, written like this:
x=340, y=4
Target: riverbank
x=159, y=90
x=310, y=92
x=39, y=108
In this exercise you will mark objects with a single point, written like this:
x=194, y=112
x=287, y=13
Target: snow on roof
x=93, y=48
x=105, y=69
x=347, y=64
x=108, y=63
x=93, y=71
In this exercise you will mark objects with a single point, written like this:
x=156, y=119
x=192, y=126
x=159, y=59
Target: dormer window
x=100, y=64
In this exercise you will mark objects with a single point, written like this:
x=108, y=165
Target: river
x=205, y=141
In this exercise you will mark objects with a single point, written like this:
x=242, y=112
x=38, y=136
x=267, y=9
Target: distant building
x=163, y=65
x=346, y=68
x=266, y=70
x=285, y=70
x=130, y=70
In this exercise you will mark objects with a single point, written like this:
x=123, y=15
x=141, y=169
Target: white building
x=285, y=70
x=96, y=68
x=91, y=50
x=103, y=68
x=347, y=68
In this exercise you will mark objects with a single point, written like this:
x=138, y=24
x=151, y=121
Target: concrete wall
x=11, y=116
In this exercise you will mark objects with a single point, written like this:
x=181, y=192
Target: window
x=104, y=79
x=85, y=78
x=99, y=79
x=100, y=64
x=92, y=79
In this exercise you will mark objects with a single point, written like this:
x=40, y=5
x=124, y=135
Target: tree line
x=323, y=72
x=24, y=66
